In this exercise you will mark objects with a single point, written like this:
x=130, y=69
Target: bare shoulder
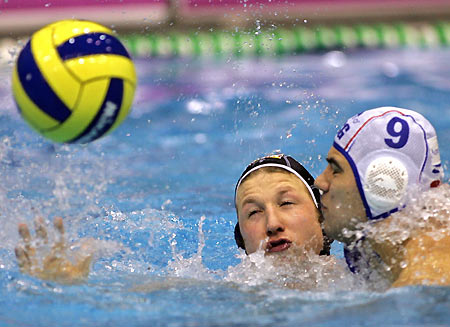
x=427, y=261
x=425, y=226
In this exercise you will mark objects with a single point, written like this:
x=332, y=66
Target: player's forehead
x=273, y=176
x=271, y=182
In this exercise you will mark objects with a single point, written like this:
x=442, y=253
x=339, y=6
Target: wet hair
x=287, y=164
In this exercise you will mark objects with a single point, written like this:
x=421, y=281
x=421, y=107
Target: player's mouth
x=279, y=245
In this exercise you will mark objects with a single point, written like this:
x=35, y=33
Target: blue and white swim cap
x=392, y=152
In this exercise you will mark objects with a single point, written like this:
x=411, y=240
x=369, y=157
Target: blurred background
x=20, y=17
x=157, y=193
x=164, y=28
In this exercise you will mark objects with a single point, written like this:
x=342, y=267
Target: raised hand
x=55, y=265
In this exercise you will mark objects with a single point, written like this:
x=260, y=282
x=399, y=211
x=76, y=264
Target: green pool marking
x=281, y=41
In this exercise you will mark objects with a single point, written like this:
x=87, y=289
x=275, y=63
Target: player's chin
x=330, y=230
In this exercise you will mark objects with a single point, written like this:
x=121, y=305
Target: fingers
x=22, y=259
x=58, y=223
x=25, y=254
x=50, y=265
x=41, y=231
x=59, y=226
x=24, y=232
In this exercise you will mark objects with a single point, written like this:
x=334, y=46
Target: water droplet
x=200, y=138
x=335, y=59
x=390, y=69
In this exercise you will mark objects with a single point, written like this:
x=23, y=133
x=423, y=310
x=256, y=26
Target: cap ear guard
x=385, y=184
x=238, y=237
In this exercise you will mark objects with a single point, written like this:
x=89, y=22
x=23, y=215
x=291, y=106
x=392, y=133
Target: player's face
x=341, y=202
x=276, y=213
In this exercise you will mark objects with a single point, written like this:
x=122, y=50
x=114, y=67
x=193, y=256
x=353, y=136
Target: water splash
x=426, y=212
x=192, y=267
x=413, y=238
x=293, y=271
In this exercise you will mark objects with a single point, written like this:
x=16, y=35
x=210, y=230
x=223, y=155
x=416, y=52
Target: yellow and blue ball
x=74, y=82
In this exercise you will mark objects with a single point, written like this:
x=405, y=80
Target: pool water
x=157, y=194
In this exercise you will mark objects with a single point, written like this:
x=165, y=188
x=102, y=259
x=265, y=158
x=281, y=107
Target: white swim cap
x=392, y=151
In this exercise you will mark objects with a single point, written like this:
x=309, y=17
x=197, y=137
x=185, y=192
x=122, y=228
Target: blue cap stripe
x=106, y=116
x=357, y=179
x=91, y=44
x=426, y=146
x=37, y=88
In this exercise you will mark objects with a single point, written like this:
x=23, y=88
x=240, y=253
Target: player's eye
x=253, y=212
x=335, y=168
